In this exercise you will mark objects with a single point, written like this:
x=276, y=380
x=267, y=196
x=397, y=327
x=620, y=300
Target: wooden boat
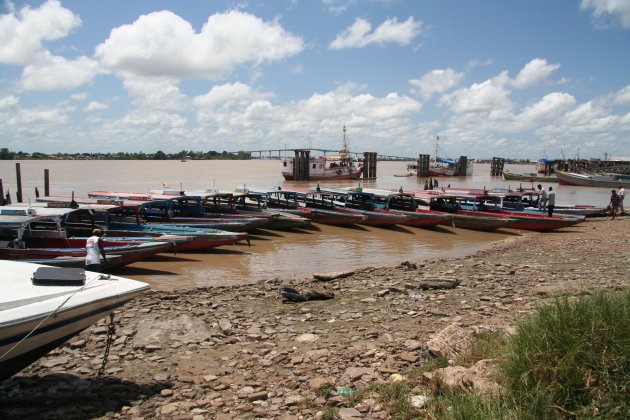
x=364, y=203
x=478, y=222
x=489, y=206
x=406, y=204
x=314, y=207
x=526, y=202
x=252, y=204
x=529, y=177
x=65, y=221
x=43, y=307
x=129, y=253
x=322, y=168
x=593, y=180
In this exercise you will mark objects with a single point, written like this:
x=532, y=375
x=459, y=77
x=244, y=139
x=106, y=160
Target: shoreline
x=239, y=352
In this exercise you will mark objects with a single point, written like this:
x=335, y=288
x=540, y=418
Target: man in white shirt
x=95, y=249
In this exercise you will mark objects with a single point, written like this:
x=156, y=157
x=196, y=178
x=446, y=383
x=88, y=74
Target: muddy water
x=272, y=254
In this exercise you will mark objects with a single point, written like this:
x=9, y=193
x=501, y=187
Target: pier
x=277, y=154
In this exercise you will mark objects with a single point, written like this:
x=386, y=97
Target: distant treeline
x=6, y=154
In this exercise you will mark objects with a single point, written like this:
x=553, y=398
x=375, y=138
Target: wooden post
x=18, y=176
x=46, y=182
x=2, y=203
x=369, y=165
x=423, y=166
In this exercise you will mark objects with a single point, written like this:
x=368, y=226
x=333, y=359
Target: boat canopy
x=546, y=160
x=445, y=160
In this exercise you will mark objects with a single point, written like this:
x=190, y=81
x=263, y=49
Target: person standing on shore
x=95, y=249
x=614, y=204
x=621, y=194
x=542, y=198
x=551, y=201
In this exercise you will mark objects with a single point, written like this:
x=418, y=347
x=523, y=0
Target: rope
x=49, y=315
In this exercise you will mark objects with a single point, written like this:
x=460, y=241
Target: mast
x=345, y=151
x=437, y=140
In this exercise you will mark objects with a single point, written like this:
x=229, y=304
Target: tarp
x=545, y=160
x=446, y=160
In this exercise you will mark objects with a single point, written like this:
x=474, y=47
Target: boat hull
x=476, y=222
x=36, y=319
x=566, y=178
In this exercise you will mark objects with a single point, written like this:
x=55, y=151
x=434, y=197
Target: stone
x=332, y=275
x=451, y=342
x=355, y=373
x=307, y=338
x=347, y=413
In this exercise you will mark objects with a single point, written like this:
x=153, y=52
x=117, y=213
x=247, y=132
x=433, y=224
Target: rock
x=307, y=338
x=419, y=401
x=347, y=413
x=355, y=373
x=479, y=377
x=257, y=396
x=166, y=392
x=293, y=400
x=168, y=409
x=225, y=326
x=332, y=275
x=408, y=357
x=450, y=342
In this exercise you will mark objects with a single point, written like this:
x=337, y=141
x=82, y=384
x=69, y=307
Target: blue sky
x=510, y=78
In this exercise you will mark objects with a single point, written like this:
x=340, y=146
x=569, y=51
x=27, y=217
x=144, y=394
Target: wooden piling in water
x=462, y=165
x=18, y=176
x=423, y=166
x=301, y=170
x=369, y=165
x=2, y=203
x=496, y=167
x=46, y=182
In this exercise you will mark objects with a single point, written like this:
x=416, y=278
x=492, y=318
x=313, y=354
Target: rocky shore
x=241, y=352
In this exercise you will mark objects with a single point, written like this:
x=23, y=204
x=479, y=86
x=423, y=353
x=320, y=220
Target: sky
x=507, y=78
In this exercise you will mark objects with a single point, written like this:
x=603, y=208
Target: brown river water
x=274, y=254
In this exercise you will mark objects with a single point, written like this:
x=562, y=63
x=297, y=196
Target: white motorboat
x=42, y=307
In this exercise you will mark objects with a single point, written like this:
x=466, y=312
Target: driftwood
x=332, y=276
x=426, y=284
x=291, y=295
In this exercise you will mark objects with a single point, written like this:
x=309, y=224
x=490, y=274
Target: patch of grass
x=324, y=390
x=470, y=406
x=487, y=345
x=572, y=358
x=330, y=413
x=396, y=398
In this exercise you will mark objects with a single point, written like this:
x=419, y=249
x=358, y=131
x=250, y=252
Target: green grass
x=570, y=359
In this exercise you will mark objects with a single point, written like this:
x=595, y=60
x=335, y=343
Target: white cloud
x=39, y=118
x=337, y=6
x=549, y=108
x=155, y=93
x=391, y=31
x=49, y=72
x=153, y=119
x=21, y=35
x=436, y=81
x=534, y=72
x=95, y=106
x=608, y=9
x=8, y=102
x=622, y=97
x=164, y=44
x=484, y=96
x=79, y=96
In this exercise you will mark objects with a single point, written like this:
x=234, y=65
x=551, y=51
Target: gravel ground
x=240, y=352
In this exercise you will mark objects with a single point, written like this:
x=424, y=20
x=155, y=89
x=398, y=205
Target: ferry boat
x=333, y=167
